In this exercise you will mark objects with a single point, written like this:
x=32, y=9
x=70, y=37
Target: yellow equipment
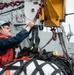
x=55, y=53
x=53, y=12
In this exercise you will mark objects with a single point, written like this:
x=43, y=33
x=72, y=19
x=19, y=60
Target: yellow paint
x=53, y=13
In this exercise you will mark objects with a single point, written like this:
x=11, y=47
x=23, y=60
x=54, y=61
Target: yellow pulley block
x=53, y=12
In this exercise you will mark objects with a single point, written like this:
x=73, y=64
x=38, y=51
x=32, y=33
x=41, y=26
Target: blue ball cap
x=2, y=23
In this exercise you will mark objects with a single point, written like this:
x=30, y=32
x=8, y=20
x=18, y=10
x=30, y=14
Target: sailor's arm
x=31, y=24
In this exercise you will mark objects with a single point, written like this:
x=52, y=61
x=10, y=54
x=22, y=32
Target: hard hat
x=2, y=23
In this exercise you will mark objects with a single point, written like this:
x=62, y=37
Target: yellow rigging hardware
x=53, y=13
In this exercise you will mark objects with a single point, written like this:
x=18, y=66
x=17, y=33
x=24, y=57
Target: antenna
x=70, y=33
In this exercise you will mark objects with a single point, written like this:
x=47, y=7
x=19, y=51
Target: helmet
x=2, y=23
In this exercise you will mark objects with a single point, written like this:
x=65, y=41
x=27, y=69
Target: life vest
x=8, y=57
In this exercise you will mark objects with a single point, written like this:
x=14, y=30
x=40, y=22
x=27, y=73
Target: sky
x=69, y=19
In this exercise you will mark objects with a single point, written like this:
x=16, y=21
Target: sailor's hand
x=29, y=26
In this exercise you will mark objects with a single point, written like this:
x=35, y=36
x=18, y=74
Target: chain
x=12, y=4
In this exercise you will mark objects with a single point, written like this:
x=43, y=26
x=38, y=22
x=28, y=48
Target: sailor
x=7, y=42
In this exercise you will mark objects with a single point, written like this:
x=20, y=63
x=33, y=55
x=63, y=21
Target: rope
x=47, y=43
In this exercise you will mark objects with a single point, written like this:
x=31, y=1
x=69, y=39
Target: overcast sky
x=69, y=18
